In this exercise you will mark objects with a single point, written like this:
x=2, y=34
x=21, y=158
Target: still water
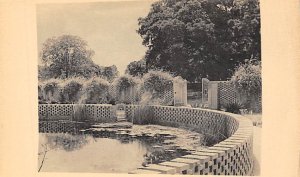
x=59, y=152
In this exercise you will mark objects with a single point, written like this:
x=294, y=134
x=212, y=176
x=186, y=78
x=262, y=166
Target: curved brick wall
x=231, y=156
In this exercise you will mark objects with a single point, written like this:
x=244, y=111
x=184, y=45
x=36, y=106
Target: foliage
x=125, y=87
x=44, y=73
x=144, y=115
x=110, y=73
x=201, y=38
x=234, y=107
x=65, y=141
x=125, y=82
x=65, y=55
x=247, y=77
x=71, y=90
x=96, y=91
x=156, y=82
x=49, y=90
x=137, y=68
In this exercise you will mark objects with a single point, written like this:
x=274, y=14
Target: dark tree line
x=200, y=38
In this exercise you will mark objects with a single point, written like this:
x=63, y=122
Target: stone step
x=121, y=120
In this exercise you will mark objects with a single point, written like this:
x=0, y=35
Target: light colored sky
x=108, y=27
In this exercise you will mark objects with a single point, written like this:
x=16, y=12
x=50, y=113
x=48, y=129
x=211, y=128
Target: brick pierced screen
x=94, y=112
x=99, y=113
x=227, y=93
x=232, y=155
x=56, y=111
x=134, y=94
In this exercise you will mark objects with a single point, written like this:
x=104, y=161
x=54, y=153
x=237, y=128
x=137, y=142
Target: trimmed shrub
x=50, y=91
x=96, y=91
x=125, y=88
x=71, y=90
x=125, y=82
x=157, y=83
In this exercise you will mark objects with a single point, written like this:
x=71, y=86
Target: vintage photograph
x=150, y=87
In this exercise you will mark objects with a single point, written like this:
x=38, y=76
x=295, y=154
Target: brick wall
x=134, y=94
x=232, y=155
x=91, y=112
x=60, y=126
x=228, y=94
x=56, y=111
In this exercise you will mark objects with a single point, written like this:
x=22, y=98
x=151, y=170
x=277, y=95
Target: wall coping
x=241, y=136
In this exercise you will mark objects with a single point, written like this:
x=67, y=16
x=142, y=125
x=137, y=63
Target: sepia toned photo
x=150, y=87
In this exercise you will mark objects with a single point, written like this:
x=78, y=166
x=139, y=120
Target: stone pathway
x=257, y=150
x=257, y=120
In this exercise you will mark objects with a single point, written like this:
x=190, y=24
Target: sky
x=108, y=27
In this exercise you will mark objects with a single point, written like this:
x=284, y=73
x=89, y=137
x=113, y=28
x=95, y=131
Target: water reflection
x=63, y=152
x=63, y=141
x=88, y=154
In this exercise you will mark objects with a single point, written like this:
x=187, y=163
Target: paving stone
x=179, y=166
x=160, y=168
x=210, y=154
x=144, y=171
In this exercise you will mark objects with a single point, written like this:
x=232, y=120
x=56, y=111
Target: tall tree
x=110, y=72
x=137, y=68
x=65, y=56
x=200, y=38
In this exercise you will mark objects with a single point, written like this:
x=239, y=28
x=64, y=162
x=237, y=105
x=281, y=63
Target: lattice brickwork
x=209, y=123
x=131, y=95
x=226, y=93
x=58, y=126
x=168, y=96
x=112, y=90
x=93, y=112
x=99, y=113
x=233, y=156
x=56, y=111
x=130, y=111
x=134, y=95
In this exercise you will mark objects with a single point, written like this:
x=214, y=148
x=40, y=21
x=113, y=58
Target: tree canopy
x=66, y=55
x=69, y=56
x=247, y=78
x=201, y=38
x=137, y=68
